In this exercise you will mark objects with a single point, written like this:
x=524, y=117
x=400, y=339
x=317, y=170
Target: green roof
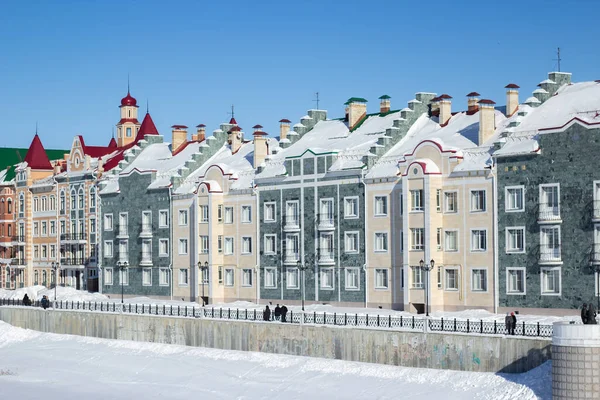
x=355, y=100
x=384, y=97
x=10, y=156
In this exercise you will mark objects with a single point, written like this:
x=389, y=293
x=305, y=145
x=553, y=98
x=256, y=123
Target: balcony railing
x=550, y=254
x=146, y=230
x=18, y=261
x=18, y=238
x=548, y=212
x=123, y=256
x=72, y=261
x=291, y=257
x=326, y=256
x=73, y=236
x=146, y=258
x=122, y=231
x=292, y=222
x=326, y=221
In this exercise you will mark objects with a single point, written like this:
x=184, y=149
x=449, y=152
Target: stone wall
x=410, y=349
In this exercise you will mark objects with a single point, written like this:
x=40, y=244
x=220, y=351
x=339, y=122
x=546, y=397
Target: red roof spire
x=128, y=100
x=112, y=144
x=147, y=128
x=36, y=157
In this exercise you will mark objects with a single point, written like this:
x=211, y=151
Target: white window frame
x=473, y=242
x=228, y=215
x=160, y=253
x=347, y=201
x=438, y=200
x=268, y=237
x=415, y=233
x=417, y=200
x=108, y=254
x=204, y=212
x=291, y=271
x=144, y=270
x=543, y=292
x=204, y=244
x=179, y=243
x=347, y=271
x=108, y=276
x=247, y=278
x=269, y=271
x=229, y=273
x=246, y=214
x=472, y=201
x=108, y=217
x=386, y=285
x=289, y=219
x=347, y=235
x=52, y=228
x=524, y=272
x=446, y=241
x=180, y=216
x=416, y=271
x=267, y=205
x=376, y=249
x=380, y=210
x=447, y=271
x=246, y=239
x=186, y=275
x=124, y=276
x=447, y=194
x=544, y=228
x=439, y=237
x=162, y=213
x=507, y=234
x=231, y=241
x=520, y=188
x=163, y=272
x=326, y=271
x=473, y=289
x=548, y=185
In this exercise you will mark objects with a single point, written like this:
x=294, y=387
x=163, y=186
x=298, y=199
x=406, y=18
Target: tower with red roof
x=128, y=126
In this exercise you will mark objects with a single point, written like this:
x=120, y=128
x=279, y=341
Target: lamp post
x=597, y=268
x=202, y=268
x=122, y=266
x=302, y=268
x=55, y=268
x=427, y=268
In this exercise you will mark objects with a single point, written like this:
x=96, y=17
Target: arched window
x=9, y=206
x=2, y=206
x=52, y=203
x=36, y=204
x=21, y=204
x=73, y=200
x=63, y=202
x=44, y=203
x=93, y=197
x=9, y=230
x=81, y=199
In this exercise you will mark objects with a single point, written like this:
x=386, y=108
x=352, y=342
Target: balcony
x=123, y=257
x=548, y=214
x=291, y=257
x=73, y=237
x=595, y=254
x=291, y=223
x=122, y=232
x=72, y=261
x=596, y=211
x=326, y=222
x=550, y=255
x=18, y=239
x=326, y=257
x=18, y=261
x=146, y=231
x=146, y=259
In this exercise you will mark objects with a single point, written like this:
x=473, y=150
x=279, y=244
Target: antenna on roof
x=147, y=107
x=128, y=82
x=36, y=124
x=317, y=99
x=232, y=111
x=558, y=59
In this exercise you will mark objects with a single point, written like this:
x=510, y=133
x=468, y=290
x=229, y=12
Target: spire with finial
x=232, y=121
x=147, y=107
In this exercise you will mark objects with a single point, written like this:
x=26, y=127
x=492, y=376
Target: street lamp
x=597, y=269
x=202, y=269
x=427, y=268
x=55, y=268
x=302, y=268
x=122, y=266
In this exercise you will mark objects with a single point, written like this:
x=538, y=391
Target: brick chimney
x=512, y=99
x=487, y=120
x=385, y=105
x=179, y=137
x=356, y=110
x=472, y=100
x=261, y=148
x=235, y=138
x=445, y=103
x=284, y=128
x=200, y=133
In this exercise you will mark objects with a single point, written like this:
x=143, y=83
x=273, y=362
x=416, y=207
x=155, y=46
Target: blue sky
x=65, y=64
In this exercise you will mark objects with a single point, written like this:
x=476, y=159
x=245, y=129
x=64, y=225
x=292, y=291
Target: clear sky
x=65, y=63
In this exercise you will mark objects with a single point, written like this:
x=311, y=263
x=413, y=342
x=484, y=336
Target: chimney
x=57, y=166
x=385, y=105
x=356, y=110
x=235, y=138
x=512, y=99
x=261, y=148
x=284, y=128
x=472, y=100
x=179, y=137
x=487, y=120
x=201, y=132
x=445, y=102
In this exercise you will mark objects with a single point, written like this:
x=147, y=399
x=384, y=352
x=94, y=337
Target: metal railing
x=18, y=261
x=550, y=254
x=292, y=222
x=393, y=322
x=73, y=236
x=72, y=261
x=548, y=213
x=18, y=238
x=146, y=229
x=326, y=221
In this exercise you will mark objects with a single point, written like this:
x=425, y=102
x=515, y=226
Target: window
x=439, y=276
x=381, y=242
x=44, y=228
x=229, y=246
x=246, y=245
x=36, y=204
x=108, y=249
x=36, y=229
x=108, y=276
x=52, y=251
x=123, y=250
x=229, y=277
x=129, y=129
x=92, y=198
x=52, y=203
x=417, y=277
x=351, y=207
x=381, y=278
x=163, y=218
x=147, y=277
x=220, y=275
x=550, y=281
x=9, y=206
x=246, y=277
x=416, y=238
x=270, y=278
x=147, y=222
x=44, y=251
x=183, y=277
x=108, y=222
x=229, y=215
x=416, y=200
x=451, y=279
x=478, y=201
x=204, y=244
x=438, y=238
x=183, y=217
x=63, y=227
x=479, y=280
x=478, y=240
x=73, y=200
x=81, y=198
x=451, y=240
x=515, y=280
x=92, y=225
x=270, y=244
x=292, y=280
x=44, y=203
x=246, y=214
x=513, y=201
x=220, y=213
x=550, y=243
x=183, y=246
x=163, y=247
x=21, y=204
x=163, y=276
x=124, y=276
x=292, y=253
x=351, y=242
x=450, y=202
x=352, y=279
x=146, y=251
x=515, y=239
x=326, y=278
x=220, y=243
x=269, y=211
x=380, y=206
x=204, y=214
x=438, y=200
x=63, y=203
x=292, y=214
x=326, y=210
x=549, y=201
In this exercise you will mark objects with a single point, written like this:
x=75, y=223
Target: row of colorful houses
x=492, y=207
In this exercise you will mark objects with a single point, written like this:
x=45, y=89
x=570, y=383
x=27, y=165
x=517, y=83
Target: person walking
x=513, y=325
x=267, y=314
x=26, y=300
x=584, y=314
x=507, y=323
x=277, y=313
x=45, y=302
x=591, y=318
x=284, y=311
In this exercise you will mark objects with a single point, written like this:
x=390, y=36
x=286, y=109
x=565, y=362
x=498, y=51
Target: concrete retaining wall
x=411, y=349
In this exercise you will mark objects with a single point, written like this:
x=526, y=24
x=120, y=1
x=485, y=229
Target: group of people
x=45, y=302
x=588, y=314
x=279, y=313
x=510, y=321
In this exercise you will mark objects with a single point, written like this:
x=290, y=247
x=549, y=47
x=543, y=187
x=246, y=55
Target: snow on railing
x=393, y=322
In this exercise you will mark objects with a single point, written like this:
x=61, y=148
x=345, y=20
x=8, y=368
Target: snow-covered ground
x=70, y=294
x=36, y=365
